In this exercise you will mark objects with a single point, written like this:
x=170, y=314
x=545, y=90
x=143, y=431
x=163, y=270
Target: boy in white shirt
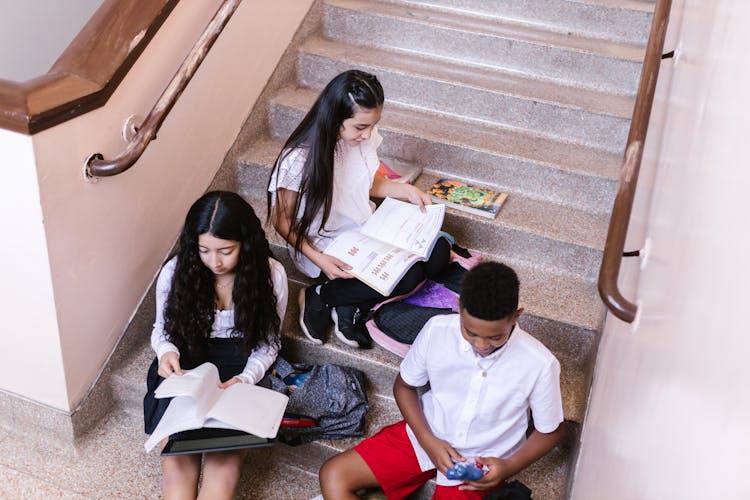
x=485, y=375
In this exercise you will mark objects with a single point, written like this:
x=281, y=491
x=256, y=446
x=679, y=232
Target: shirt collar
x=466, y=346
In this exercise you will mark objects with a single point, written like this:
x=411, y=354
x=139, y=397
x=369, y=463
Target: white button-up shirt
x=481, y=415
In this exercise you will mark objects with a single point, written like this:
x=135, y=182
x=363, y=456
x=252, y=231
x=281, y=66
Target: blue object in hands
x=296, y=379
x=467, y=471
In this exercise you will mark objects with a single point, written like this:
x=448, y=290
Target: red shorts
x=392, y=460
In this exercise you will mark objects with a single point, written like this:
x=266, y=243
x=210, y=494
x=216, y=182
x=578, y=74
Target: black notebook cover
x=211, y=439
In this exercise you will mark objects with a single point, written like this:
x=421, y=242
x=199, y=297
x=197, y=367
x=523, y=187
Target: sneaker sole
x=301, y=301
x=339, y=334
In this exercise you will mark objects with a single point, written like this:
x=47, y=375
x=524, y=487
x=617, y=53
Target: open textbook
x=396, y=236
x=199, y=402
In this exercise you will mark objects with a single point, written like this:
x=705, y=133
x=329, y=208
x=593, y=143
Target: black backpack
x=331, y=396
x=515, y=490
x=395, y=323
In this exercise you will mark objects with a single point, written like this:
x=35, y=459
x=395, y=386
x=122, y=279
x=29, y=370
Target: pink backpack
x=395, y=323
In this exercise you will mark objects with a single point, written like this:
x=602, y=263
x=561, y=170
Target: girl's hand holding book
x=332, y=267
x=169, y=364
x=230, y=382
x=417, y=196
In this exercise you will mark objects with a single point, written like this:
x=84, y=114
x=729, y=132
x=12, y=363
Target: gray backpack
x=332, y=396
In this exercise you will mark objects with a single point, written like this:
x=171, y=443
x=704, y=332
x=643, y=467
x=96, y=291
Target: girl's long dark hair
x=189, y=313
x=318, y=133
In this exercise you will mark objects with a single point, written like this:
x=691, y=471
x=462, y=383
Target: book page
x=374, y=262
x=255, y=410
x=200, y=384
x=181, y=415
x=194, y=393
x=403, y=225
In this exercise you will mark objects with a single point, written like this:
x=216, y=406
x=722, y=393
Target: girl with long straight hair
x=321, y=186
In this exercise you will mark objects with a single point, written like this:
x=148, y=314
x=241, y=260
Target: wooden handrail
x=97, y=166
x=88, y=71
x=623, y=205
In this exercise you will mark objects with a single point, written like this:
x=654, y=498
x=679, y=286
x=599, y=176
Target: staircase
x=530, y=97
x=533, y=98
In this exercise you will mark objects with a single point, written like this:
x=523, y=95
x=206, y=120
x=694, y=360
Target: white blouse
x=260, y=359
x=354, y=169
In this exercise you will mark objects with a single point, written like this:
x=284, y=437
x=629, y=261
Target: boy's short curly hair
x=489, y=291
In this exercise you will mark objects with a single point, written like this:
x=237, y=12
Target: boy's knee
x=333, y=476
x=329, y=471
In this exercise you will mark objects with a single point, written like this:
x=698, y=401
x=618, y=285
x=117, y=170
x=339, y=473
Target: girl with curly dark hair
x=220, y=298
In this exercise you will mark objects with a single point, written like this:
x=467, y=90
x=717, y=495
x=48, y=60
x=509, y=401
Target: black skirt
x=226, y=354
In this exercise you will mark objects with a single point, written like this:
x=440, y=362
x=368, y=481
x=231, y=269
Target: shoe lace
x=356, y=316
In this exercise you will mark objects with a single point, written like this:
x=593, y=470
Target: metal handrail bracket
x=97, y=166
x=623, y=205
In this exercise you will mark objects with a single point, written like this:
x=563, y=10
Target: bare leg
x=342, y=475
x=221, y=473
x=179, y=476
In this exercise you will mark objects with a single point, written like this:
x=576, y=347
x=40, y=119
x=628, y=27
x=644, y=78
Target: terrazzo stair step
x=304, y=461
x=266, y=468
x=643, y=5
x=569, y=114
x=558, y=238
x=514, y=160
x=128, y=385
x=573, y=345
x=547, y=477
x=125, y=373
x=556, y=312
x=559, y=308
x=536, y=232
x=310, y=456
x=588, y=62
x=623, y=20
x=111, y=463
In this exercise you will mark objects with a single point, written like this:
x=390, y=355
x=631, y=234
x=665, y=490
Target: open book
x=396, y=236
x=199, y=402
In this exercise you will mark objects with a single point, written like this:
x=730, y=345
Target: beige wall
x=669, y=406
x=106, y=239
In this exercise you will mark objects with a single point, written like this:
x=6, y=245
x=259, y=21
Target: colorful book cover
x=480, y=201
x=401, y=173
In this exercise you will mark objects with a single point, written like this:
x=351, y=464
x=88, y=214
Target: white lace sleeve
x=261, y=359
x=159, y=342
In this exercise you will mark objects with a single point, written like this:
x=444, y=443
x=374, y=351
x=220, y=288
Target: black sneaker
x=313, y=315
x=348, y=325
